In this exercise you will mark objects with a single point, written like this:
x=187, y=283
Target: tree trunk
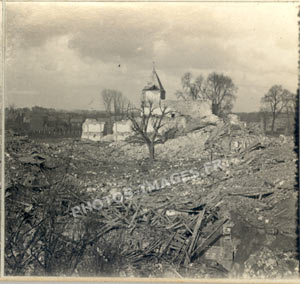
x=151, y=151
x=215, y=109
x=273, y=123
x=263, y=123
x=288, y=129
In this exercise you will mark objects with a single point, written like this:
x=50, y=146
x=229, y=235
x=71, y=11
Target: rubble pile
x=232, y=215
x=207, y=140
x=161, y=230
x=269, y=264
x=39, y=192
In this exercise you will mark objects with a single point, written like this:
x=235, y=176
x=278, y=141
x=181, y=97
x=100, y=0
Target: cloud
x=65, y=53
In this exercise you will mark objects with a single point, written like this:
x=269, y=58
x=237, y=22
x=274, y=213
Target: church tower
x=154, y=90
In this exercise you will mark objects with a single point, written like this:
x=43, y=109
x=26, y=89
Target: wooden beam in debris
x=213, y=236
x=195, y=236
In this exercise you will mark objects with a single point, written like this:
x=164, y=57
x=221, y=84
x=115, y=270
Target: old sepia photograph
x=151, y=140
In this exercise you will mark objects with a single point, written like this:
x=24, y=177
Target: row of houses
x=95, y=130
x=98, y=131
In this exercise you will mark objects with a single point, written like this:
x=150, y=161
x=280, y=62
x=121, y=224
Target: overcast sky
x=62, y=55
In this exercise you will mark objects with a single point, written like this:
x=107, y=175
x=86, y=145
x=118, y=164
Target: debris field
x=218, y=202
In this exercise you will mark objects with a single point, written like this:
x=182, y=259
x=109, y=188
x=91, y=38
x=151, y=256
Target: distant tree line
x=27, y=120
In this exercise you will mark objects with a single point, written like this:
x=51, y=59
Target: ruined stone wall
x=193, y=108
x=178, y=123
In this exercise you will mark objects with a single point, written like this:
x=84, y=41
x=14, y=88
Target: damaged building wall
x=192, y=108
x=92, y=130
x=177, y=122
x=123, y=126
x=122, y=129
x=179, y=111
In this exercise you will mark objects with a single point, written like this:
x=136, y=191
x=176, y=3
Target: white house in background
x=92, y=129
x=122, y=129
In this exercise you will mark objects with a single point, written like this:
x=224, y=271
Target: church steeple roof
x=155, y=84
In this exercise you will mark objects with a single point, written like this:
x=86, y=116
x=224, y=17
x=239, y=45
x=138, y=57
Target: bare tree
x=220, y=90
x=290, y=109
x=121, y=104
x=264, y=118
x=107, y=99
x=191, y=89
x=275, y=101
x=114, y=102
x=217, y=88
x=147, y=123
